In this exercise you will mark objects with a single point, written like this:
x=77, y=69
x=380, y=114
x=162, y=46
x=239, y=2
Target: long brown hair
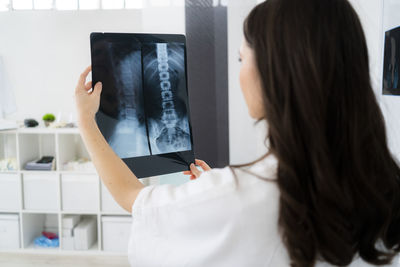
x=339, y=184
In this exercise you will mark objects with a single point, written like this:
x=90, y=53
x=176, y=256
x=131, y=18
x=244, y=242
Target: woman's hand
x=194, y=172
x=87, y=101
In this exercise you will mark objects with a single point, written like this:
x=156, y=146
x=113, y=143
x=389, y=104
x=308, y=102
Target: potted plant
x=48, y=118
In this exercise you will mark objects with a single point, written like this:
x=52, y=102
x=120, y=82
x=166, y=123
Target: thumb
x=98, y=88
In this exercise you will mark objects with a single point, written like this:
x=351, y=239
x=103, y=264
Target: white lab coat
x=217, y=220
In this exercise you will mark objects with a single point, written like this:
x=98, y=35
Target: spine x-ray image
x=391, y=69
x=143, y=108
x=164, y=81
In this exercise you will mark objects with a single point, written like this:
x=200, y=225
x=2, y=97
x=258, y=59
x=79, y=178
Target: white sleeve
x=163, y=217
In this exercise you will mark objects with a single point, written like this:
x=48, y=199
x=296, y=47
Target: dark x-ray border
x=147, y=166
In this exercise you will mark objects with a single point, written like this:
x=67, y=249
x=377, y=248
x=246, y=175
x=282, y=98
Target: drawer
x=9, y=231
x=108, y=204
x=116, y=232
x=80, y=192
x=10, y=193
x=40, y=191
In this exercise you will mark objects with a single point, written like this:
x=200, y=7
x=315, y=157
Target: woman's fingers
x=88, y=86
x=83, y=76
x=194, y=170
x=203, y=165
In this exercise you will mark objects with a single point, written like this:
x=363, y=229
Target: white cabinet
x=40, y=191
x=80, y=192
x=116, y=232
x=9, y=231
x=35, y=201
x=9, y=192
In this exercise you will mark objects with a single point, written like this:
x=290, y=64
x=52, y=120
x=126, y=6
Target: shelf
x=8, y=152
x=32, y=246
x=34, y=195
x=110, y=213
x=42, y=130
x=79, y=172
x=39, y=211
x=71, y=148
x=78, y=212
x=35, y=146
x=37, y=172
x=34, y=223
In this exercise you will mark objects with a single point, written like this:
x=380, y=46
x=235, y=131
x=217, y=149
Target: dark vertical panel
x=207, y=49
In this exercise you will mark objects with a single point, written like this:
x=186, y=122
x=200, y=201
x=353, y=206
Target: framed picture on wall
x=391, y=48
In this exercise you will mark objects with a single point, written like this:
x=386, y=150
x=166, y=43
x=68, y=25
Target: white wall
x=391, y=104
x=246, y=141
x=45, y=51
x=375, y=25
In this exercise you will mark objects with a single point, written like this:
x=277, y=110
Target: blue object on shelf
x=45, y=242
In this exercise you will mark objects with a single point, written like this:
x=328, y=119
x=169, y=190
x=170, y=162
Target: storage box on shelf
x=35, y=201
x=80, y=192
x=10, y=193
x=79, y=232
x=9, y=231
x=115, y=233
x=108, y=204
x=41, y=191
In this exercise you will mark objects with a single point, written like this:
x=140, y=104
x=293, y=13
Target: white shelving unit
x=35, y=195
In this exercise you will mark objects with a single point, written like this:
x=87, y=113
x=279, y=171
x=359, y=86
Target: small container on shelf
x=8, y=151
x=73, y=155
x=79, y=232
x=9, y=231
x=40, y=191
x=80, y=192
x=108, y=204
x=40, y=231
x=33, y=147
x=115, y=233
x=10, y=192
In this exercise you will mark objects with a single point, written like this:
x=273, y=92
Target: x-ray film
x=391, y=64
x=144, y=110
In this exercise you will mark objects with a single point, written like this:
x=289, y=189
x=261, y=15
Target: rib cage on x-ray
x=143, y=109
x=166, y=109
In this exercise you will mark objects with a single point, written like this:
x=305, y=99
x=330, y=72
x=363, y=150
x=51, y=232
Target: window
x=66, y=4
x=22, y=4
x=178, y=2
x=89, y=4
x=9, y=5
x=4, y=5
x=112, y=4
x=43, y=4
x=137, y=4
x=160, y=2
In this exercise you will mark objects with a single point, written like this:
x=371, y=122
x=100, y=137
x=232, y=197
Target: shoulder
x=213, y=184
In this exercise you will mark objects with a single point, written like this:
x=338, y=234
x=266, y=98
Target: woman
x=327, y=191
